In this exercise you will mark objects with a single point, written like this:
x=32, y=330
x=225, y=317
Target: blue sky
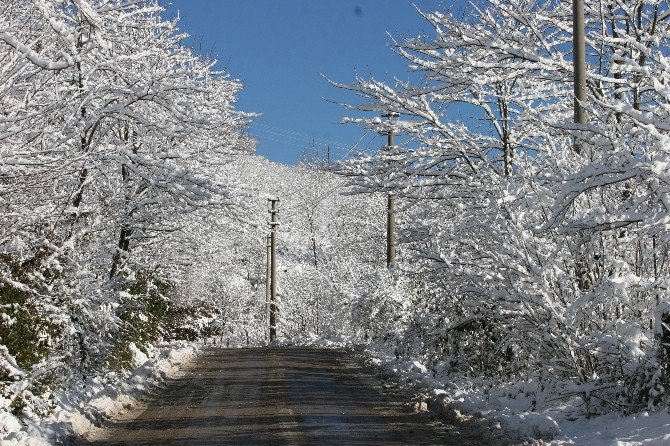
x=280, y=49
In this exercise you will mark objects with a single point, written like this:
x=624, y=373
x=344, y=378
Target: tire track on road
x=276, y=396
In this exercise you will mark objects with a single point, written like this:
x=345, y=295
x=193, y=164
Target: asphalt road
x=277, y=396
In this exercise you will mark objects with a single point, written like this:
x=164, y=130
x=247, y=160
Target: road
x=277, y=396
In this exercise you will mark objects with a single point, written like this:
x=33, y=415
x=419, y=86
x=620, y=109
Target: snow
x=510, y=418
x=32, y=55
x=139, y=357
x=80, y=411
x=640, y=429
x=557, y=259
x=503, y=411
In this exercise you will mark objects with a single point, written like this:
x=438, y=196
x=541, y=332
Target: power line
x=290, y=144
x=292, y=140
x=299, y=134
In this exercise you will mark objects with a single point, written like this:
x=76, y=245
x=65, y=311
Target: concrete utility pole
x=579, y=63
x=390, y=210
x=273, y=268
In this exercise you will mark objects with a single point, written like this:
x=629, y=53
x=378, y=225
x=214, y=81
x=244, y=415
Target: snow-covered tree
x=110, y=136
x=535, y=244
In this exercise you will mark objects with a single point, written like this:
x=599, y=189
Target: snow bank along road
x=277, y=396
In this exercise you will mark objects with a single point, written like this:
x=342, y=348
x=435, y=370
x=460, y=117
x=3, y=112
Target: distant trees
x=531, y=259
x=110, y=132
x=329, y=244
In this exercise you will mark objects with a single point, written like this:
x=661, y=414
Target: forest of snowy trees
x=535, y=249
x=111, y=134
x=531, y=249
x=133, y=212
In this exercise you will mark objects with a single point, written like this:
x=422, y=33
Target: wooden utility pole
x=268, y=272
x=273, y=268
x=390, y=210
x=579, y=64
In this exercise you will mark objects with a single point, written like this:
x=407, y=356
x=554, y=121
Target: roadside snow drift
x=80, y=411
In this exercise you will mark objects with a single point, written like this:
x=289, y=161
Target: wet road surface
x=276, y=396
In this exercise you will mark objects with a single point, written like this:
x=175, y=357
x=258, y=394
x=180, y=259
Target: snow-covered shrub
x=539, y=247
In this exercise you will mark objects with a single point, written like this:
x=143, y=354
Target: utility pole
x=268, y=271
x=579, y=64
x=390, y=210
x=273, y=268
